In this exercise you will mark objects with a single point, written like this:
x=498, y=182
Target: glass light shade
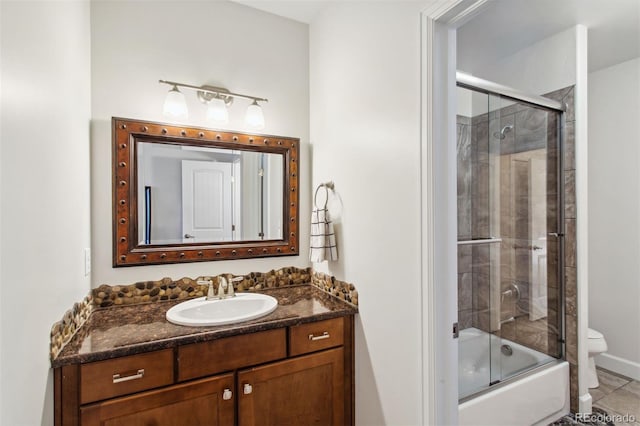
x=254, y=117
x=175, y=105
x=217, y=111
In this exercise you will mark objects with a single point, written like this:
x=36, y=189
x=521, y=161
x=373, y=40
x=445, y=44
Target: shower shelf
x=489, y=240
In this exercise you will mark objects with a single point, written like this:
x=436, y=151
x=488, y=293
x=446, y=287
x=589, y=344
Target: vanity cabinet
x=301, y=374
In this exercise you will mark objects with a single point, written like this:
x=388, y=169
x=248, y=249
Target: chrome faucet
x=231, y=291
x=223, y=284
x=211, y=291
x=227, y=284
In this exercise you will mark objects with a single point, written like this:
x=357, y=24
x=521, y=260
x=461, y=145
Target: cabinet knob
x=227, y=394
x=247, y=389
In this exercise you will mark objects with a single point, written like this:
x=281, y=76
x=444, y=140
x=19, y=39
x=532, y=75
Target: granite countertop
x=128, y=330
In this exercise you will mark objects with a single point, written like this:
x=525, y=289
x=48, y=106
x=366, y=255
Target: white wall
x=218, y=43
x=614, y=212
x=543, y=67
x=367, y=140
x=45, y=192
x=1, y=215
x=464, y=99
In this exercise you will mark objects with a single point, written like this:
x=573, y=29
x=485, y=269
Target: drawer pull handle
x=118, y=379
x=227, y=394
x=247, y=389
x=324, y=335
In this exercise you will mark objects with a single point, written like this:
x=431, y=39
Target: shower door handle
x=555, y=234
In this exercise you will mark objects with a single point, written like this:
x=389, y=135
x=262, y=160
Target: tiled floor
x=615, y=402
x=617, y=395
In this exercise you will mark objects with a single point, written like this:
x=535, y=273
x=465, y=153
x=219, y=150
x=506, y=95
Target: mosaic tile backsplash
x=64, y=330
x=337, y=288
x=185, y=288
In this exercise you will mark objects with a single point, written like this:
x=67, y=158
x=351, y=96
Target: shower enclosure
x=510, y=232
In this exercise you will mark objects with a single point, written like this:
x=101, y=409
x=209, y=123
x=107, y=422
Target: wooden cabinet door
x=308, y=390
x=199, y=403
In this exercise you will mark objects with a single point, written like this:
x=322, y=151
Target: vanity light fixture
x=175, y=105
x=217, y=111
x=254, y=117
x=217, y=99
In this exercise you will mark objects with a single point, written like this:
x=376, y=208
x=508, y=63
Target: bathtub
x=539, y=395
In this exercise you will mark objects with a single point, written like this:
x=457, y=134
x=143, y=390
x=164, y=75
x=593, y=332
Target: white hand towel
x=323, y=239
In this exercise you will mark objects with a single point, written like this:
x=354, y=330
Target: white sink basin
x=242, y=307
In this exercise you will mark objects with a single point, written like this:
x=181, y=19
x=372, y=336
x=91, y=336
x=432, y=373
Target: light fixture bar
x=204, y=89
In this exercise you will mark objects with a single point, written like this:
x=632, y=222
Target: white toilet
x=596, y=346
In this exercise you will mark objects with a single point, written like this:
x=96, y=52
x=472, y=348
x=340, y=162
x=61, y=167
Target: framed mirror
x=185, y=194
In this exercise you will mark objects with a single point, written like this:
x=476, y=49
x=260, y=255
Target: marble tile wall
x=566, y=96
x=465, y=255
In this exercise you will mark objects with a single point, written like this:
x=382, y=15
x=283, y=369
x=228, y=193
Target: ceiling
x=299, y=10
x=507, y=26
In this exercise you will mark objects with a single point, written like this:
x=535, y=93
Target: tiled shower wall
x=465, y=258
x=566, y=96
x=531, y=128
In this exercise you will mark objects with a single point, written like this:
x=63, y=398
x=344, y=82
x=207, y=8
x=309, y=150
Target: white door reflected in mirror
x=206, y=201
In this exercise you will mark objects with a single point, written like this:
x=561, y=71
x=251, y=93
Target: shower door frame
x=490, y=88
x=504, y=92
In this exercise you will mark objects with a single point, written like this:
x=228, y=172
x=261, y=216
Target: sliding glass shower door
x=509, y=181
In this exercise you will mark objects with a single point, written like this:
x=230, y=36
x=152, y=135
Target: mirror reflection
x=195, y=194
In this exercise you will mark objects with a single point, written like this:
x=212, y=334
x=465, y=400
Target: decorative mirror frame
x=127, y=251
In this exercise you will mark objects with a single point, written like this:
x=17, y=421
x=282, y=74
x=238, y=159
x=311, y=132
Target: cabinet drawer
x=314, y=336
x=216, y=356
x=121, y=376
x=207, y=402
